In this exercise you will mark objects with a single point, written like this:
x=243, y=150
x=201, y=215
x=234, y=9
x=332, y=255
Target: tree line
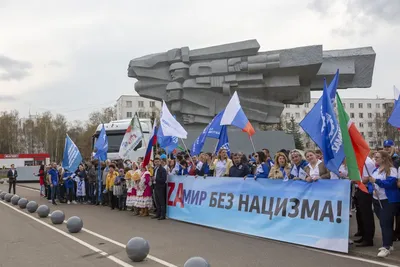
x=45, y=133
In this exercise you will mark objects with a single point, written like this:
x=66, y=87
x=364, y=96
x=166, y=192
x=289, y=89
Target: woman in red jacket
x=41, y=180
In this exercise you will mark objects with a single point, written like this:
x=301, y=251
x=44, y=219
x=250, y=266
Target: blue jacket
x=68, y=182
x=53, y=176
x=302, y=165
x=263, y=174
x=182, y=171
x=391, y=190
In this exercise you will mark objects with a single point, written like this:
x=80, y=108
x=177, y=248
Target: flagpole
x=191, y=159
x=252, y=143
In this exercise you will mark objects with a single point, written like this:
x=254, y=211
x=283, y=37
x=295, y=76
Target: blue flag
x=101, y=145
x=332, y=145
x=223, y=142
x=312, y=122
x=213, y=130
x=72, y=157
x=168, y=143
x=394, y=118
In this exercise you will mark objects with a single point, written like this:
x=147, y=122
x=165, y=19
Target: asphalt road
x=26, y=241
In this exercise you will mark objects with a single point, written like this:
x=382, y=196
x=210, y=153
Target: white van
x=115, y=131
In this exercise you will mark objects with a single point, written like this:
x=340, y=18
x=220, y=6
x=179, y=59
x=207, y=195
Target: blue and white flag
x=213, y=130
x=169, y=125
x=223, y=142
x=72, y=157
x=168, y=143
x=332, y=145
x=312, y=122
x=394, y=118
x=101, y=146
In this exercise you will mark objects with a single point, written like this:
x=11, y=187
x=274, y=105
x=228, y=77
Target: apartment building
x=127, y=105
x=367, y=114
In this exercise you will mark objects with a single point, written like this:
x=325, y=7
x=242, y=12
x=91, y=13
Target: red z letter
x=171, y=187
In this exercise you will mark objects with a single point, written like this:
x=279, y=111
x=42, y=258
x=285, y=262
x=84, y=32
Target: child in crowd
x=80, y=189
x=117, y=188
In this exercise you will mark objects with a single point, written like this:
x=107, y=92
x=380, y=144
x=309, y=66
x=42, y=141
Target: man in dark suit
x=12, y=178
x=160, y=189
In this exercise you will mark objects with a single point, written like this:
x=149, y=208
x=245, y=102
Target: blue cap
x=163, y=156
x=388, y=143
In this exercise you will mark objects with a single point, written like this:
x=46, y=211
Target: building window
x=141, y=104
x=142, y=114
x=152, y=104
x=344, y=105
x=360, y=105
x=371, y=144
x=352, y=115
x=306, y=105
x=287, y=115
x=287, y=106
x=298, y=106
x=379, y=134
x=370, y=134
x=369, y=105
x=351, y=105
x=297, y=115
x=129, y=114
x=128, y=104
x=360, y=115
x=362, y=133
x=361, y=125
x=369, y=115
x=378, y=105
x=369, y=124
x=378, y=115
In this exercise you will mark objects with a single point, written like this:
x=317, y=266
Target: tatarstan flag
x=355, y=147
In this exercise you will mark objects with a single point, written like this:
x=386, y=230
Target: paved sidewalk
x=366, y=252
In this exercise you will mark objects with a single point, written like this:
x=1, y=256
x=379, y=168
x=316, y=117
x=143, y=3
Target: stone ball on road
x=196, y=262
x=22, y=202
x=137, y=249
x=57, y=217
x=8, y=197
x=1, y=181
x=32, y=206
x=43, y=211
x=74, y=224
x=15, y=199
x=2, y=195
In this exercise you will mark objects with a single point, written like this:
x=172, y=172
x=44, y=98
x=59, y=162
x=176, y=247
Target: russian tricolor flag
x=234, y=115
x=152, y=142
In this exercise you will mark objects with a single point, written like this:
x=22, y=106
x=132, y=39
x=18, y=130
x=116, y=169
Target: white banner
x=132, y=138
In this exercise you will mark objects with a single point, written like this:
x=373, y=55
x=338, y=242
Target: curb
x=388, y=260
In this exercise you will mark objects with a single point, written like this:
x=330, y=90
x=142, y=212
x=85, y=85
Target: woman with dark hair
x=41, y=180
x=262, y=169
x=386, y=198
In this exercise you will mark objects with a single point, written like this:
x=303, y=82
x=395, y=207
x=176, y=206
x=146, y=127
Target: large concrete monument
x=197, y=84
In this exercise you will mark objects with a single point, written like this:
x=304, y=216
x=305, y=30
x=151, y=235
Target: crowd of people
x=141, y=188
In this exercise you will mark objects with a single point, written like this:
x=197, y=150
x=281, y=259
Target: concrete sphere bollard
x=43, y=211
x=196, y=262
x=57, y=217
x=8, y=197
x=2, y=195
x=137, y=249
x=74, y=224
x=15, y=199
x=32, y=206
x=1, y=181
x=22, y=202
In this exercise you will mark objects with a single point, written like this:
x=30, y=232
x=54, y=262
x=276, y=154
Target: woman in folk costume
x=144, y=200
x=281, y=168
x=133, y=195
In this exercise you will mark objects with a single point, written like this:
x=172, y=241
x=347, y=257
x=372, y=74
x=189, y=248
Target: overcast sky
x=71, y=57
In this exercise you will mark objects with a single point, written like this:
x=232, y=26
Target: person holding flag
x=101, y=148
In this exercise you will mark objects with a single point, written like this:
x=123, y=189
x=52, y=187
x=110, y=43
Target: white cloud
x=93, y=41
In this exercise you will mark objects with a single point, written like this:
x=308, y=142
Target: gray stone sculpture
x=197, y=84
x=57, y=217
x=2, y=195
x=8, y=197
x=137, y=249
x=196, y=262
x=15, y=199
x=32, y=206
x=22, y=202
x=74, y=224
x=43, y=211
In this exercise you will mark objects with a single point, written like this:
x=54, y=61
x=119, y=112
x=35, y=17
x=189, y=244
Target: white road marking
x=83, y=243
x=171, y=265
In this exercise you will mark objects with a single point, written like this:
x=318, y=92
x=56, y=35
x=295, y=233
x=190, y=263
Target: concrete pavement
x=173, y=242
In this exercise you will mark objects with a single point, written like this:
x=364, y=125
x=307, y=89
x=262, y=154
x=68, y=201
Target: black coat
x=12, y=176
x=161, y=176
